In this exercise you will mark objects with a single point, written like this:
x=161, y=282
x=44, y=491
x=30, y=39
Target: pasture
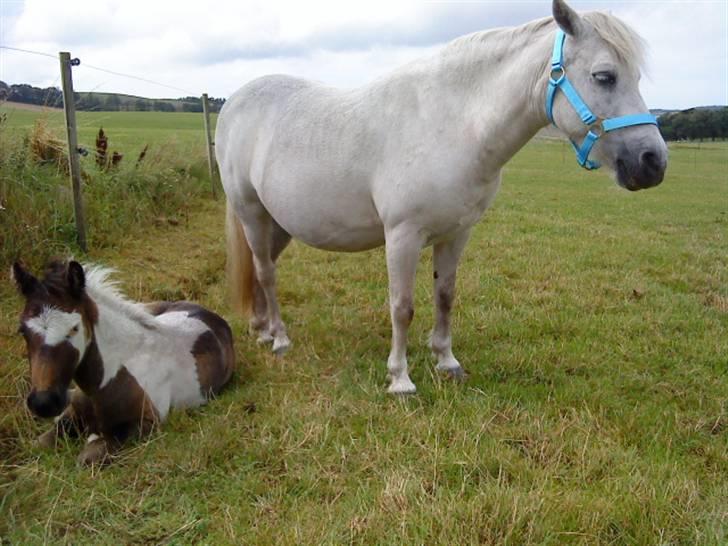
x=593, y=324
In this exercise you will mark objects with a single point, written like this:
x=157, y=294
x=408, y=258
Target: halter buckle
x=559, y=72
x=597, y=128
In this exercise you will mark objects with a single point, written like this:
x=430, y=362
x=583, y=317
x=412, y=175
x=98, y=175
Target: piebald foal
x=131, y=362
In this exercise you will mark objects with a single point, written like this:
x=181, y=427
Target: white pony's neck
x=503, y=75
x=123, y=326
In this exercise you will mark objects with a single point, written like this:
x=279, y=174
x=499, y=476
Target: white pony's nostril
x=652, y=161
x=649, y=159
x=651, y=168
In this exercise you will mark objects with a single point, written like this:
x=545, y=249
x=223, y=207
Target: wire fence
x=106, y=71
x=53, y=99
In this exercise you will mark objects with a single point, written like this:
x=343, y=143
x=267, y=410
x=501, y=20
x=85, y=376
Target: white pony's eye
x=72, y=332
x=605, y=78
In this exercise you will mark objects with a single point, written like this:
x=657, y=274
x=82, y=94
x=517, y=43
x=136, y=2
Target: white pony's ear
x=567, y=19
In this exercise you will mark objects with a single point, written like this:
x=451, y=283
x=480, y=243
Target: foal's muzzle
x=638, y=171
x=46, y=403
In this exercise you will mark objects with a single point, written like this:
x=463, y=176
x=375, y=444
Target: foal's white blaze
x=55, y=326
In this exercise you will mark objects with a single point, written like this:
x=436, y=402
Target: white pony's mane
x=626, y=43
x=623, y=39
x=104, y=290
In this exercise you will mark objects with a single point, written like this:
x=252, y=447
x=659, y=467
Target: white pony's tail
x=239, y=266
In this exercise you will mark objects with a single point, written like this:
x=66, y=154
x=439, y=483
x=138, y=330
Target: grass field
x=593, y=323
x=128, y=131
x=35, y=200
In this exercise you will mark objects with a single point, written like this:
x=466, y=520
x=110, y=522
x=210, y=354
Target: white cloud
x=219, y=48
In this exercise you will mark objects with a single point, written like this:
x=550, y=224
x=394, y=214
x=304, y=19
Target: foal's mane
x=102, y=288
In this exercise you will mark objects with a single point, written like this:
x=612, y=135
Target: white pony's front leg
x=403, y=248
x=445, y=259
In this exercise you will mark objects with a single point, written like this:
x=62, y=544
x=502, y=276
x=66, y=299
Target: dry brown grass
x=46, y=147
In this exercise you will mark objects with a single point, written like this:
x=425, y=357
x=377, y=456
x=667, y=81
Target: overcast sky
x=341, y=43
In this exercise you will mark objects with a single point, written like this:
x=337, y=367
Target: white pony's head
x=603, y=58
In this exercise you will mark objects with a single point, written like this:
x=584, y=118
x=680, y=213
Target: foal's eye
x=73, y=331
x=606, y=79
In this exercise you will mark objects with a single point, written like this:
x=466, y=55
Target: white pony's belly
x=441, y=208
x=345, y=239
x=335, y=215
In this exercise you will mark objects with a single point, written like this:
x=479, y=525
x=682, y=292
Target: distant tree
x=162, y=106
x=192, y=106
x=215, y=104
x=695, y=124
x=26, y=94
x=112, y=103
x=140, y=105
x=723, y=122
x=89, y=101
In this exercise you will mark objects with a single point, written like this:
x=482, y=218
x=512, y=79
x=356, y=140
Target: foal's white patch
x=160, y=359
x=55, y=326
x=92, y=438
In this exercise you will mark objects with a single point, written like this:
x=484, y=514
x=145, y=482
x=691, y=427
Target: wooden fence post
x=74, y=164
x=210, y=144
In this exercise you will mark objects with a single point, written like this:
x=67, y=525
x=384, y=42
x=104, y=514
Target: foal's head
x=57, y=324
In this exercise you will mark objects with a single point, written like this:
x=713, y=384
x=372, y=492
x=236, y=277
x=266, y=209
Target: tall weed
x=36, y=201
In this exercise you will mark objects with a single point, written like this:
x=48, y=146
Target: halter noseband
x=597, y=127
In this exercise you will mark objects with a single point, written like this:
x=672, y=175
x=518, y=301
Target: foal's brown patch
x=90, y=371
x=212, y=369
x=213, y=350
x=122, y=406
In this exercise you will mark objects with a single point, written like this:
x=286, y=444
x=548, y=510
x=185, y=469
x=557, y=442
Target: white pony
x=414, y=158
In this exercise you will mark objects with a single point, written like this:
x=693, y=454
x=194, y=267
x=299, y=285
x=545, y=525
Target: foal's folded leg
x=100, y=449
x=96, y=451
x=77, y=418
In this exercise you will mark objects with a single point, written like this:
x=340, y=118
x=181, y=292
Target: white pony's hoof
x=281, y=345
x=452, y=369
x=264, y=338
x=402, y=386
x=256, y=326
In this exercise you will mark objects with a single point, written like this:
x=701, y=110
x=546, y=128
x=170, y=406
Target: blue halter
x=597, y=127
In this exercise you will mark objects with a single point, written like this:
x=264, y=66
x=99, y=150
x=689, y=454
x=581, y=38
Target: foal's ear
x=567, y=19
x=76, y=279
x=24, y=280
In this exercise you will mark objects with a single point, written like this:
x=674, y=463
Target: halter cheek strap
x=596, y=127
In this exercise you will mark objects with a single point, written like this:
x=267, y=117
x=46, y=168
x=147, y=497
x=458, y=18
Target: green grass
x=37, y=220
x=593, y=323
x=128, y=132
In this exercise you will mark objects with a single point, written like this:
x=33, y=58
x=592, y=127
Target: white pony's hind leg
x=259, y=229
x=445, y=260
x=259, y=321
x=403, y=248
